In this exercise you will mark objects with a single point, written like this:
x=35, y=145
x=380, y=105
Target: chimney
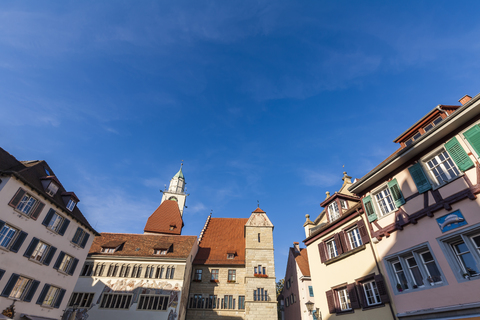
x=465, y=99
x=296, y=245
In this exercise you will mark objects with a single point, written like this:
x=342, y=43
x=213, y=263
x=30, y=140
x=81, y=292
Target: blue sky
x=263, y=100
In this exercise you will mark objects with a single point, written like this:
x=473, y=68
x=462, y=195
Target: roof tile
x=166, y=215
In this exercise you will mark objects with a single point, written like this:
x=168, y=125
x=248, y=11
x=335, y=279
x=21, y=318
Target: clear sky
x=263, y=100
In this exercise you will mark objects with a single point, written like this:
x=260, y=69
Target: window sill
x=22, y=214
x=346, y=254
x=435, y=186
x=4, y=249
x=36, y=261
x=387, y=214
x=374, y=306
x=339, y=313
x=421, y=288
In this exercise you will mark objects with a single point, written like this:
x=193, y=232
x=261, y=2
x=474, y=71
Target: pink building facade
x=423, y=213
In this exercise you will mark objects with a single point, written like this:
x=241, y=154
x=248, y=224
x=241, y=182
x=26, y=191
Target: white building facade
x=44, y=239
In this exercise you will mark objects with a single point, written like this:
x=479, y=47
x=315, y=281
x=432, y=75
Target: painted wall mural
x=451, y=221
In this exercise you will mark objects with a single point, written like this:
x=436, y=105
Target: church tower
x=260, y=300
x=176, y=190
x=168, y=217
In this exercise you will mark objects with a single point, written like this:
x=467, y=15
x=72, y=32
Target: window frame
x=428, y=173
x=22, y=287
x=12, y=239
x=44, y=254
x=52, y=295
x=328, y=250
x=64, y=265
x=81, y=297
x=53, y=225
x=338, y=297
x=105, y=296
x=232, y=275
x=162, y=302
x=52, y=189
x=214, y=275
x=376, y=201
x=197, y=275
x=71, y=205
x=466, y=235
x=349, y=232
x=333, y=214
x=32, y=206
x=401, y=258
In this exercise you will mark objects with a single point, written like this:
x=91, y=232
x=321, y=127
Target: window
x=99, y=270
x=333, y=212
x=370, y=290
x=413, y=269
x=214, y=276
x=66, y=263
x=108, y=250
x=51, y=296
x=232, y=274
x=230, y=255
x=260, y=295
x=331, y=249
x=344, y=205
x=442, y=168
x=385, y=201
x=288, y=284
x=7, y=233
x=197, y=301
x=116, y=301
x=228, y=302
x=344, y=299
x=152, y=302
x=26, y=204
x=465, y=258
x=160, y=251
x=430, y=126
x=40, y=251
x=51, y=189
x=55, y=223
x=354, y=237
x=71, y=204
x=79, y=236
x=259, y=237
x=310, y=291
x=87, y=270
x=198, y=275
x=415, y=137
x=20, y=288
x=241, y=302
x=81, y=300
x=159, y=272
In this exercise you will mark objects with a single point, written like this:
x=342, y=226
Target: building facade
x=234, y=271
x=423, y=209
x=347, y=282
x=297, y=286
x=140, y=276
x=44, y=239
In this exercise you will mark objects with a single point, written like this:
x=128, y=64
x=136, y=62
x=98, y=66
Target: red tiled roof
x=166, y=215
x=142, y=244
x=302, y=261
x=258, y=210
x=222, y=236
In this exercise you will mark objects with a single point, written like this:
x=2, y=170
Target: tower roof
x=166, y=219
x=179, y=174
x=259, y=218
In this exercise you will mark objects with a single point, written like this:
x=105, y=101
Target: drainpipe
x=379, y=270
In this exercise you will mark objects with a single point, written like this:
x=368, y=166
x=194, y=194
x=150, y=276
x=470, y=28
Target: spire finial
x=258, y=204
x=211, y=211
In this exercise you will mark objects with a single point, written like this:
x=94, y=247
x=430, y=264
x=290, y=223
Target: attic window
x=71, y=204
x=46, y=171
x=108, y=250
x=415, y=137
x=230, y=255
x=172, y=227
x=51, y=189
x=160, y=251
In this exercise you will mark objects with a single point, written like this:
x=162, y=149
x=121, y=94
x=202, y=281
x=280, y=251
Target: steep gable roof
x=302, y=261
x=259, y=218
x=222, y=236
x=142, y=245
x=165, y=217
x=32, y=173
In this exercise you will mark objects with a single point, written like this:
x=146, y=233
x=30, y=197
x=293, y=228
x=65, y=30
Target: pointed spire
x=179, y=174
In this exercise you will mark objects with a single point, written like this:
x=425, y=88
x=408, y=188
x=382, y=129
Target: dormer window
x=108, y=250
x=160, y=251
x=71, y=204
x=415, y=137
x=333, y=211
x=344, y=205
x=52, y=189
x=172, y=227
x=230, y=255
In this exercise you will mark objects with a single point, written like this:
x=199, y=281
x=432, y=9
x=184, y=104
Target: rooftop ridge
x=204, y=228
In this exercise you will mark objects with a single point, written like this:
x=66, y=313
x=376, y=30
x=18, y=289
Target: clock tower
x=176, y=190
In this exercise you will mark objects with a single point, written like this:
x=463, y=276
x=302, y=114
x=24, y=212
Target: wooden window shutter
x=361, y=293
x=352, y=294
x=458, y=154
x=48, y=217
x=10, y=284
x=368, y=207
x=64, y=227
x=2, y=223
x=38, y=210
x=74, y=266
x=321, y=250
x=338, y=243
x=382, y=289
x=331, y=301
x=19, y=241
x=362, y=229
x=42, y=295
x=59, y=260
x=58, y=302
x=419, y=177
x=396, y=192
x=31, y=291
x=84, y=240
x=17, y=197
x=473, y=137
x=345, y=243
x=31, y=247
x=49, y=256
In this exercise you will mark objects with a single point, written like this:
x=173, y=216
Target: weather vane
x=258, y=204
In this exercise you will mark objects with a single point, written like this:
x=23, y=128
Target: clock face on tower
x=173, y=198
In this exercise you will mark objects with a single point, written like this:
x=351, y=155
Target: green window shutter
x=396, y=192
x=419, y=177
x=367, y=203
x=473, y=137
x=458, y=155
